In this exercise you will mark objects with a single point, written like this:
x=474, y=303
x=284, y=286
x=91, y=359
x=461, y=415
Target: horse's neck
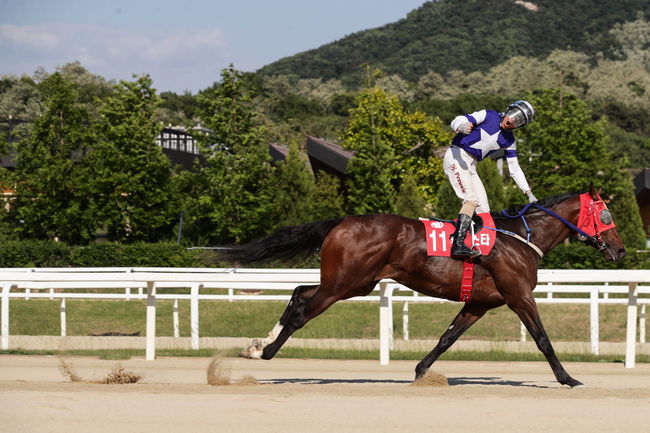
x=549, y=231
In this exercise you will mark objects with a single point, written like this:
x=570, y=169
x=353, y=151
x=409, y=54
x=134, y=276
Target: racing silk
x=486, y=138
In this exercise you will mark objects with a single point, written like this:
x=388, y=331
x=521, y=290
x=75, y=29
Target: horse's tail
x=286, y=243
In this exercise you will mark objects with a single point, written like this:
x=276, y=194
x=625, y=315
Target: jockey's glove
x=531, y=197
x=465, y=128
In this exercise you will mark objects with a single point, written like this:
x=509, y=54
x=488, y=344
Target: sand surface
x=308, y=396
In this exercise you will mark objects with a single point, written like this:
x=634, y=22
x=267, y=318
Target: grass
x=493, y=355
x=563, y=322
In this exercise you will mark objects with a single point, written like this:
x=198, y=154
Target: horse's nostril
x=622, y=252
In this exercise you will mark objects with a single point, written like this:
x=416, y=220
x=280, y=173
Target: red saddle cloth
x=439, y=242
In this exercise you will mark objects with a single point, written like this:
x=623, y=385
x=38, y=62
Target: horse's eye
x=605, y=216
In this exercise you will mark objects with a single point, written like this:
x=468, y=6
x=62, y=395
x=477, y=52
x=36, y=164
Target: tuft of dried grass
x=120, y=375
x=431, y=379
x=68, y=370
x=247, y=380
x=218, y=374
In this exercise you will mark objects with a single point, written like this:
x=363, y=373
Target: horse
x=356, y=252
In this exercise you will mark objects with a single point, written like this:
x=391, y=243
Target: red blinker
x=594, y=216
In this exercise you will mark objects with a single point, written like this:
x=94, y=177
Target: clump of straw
x=247, y=380
x=218, y=374
x=120, y=375
x=431, y=379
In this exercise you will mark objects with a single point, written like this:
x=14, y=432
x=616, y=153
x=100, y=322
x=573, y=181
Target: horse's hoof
x=254, y=351
x=251, y=352
x=574, y=384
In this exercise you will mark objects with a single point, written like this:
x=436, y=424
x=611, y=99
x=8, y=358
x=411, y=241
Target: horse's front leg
x=526, y=308
x=463, y=320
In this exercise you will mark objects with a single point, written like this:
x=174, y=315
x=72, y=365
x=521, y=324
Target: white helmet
x=520, y=112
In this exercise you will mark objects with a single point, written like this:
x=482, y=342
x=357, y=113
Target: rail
x=21, y=283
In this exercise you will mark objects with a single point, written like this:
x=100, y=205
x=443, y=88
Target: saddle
x=438, y=233
x=477, y=221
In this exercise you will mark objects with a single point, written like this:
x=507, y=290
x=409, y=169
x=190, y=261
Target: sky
x=182, y=45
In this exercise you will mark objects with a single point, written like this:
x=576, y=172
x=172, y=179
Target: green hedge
x=580, y=256
x=46, y=254
x=43, y=254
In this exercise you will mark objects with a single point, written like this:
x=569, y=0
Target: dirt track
x=321, y=396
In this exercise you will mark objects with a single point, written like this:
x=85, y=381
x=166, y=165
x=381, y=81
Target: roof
x=278, y=152
x=329, y=154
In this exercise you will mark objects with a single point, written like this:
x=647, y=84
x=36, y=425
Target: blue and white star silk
x=486, y=137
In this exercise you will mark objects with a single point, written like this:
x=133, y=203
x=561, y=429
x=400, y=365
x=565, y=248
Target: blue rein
x=521, y=213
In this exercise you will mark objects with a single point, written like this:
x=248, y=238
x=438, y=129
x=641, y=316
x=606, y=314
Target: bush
x=45, y=254
x=580, y=256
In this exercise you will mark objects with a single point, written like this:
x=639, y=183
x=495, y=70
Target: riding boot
x=458, y=248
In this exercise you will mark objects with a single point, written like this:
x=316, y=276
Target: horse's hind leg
x=296, y=316
x=295, y=305
x=463, y=320
x=526, y=309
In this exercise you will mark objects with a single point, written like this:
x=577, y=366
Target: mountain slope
x=467, y=35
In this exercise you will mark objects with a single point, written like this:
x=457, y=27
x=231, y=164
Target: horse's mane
x=545, y=202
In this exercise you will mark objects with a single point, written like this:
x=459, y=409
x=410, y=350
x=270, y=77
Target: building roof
x=278, y=152
x=329, y=154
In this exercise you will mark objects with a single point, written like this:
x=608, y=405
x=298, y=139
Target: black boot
x=458, y=248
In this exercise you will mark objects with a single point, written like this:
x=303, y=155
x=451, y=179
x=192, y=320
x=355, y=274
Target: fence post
x=522, y=331
x=642, y=324
x=594, y=320
x=175, y=319
x=385, y=323
x=405, y=321
x=194, y=315
x=630, y=339
x=64, y=322
x=4, y=321
x=150, y=351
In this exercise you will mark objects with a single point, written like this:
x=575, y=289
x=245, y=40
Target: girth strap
x=466, y=280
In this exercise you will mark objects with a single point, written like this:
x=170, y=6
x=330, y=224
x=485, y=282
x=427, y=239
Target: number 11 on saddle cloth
x=438, y=236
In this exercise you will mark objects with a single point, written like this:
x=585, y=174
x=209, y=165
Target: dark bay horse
x=358, y=251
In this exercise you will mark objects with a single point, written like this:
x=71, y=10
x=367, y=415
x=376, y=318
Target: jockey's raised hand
x=465, y=128
x=531, y=196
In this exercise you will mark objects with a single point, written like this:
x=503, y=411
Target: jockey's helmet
x=520, y=112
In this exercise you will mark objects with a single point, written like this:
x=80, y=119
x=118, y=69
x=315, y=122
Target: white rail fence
x=22, y=283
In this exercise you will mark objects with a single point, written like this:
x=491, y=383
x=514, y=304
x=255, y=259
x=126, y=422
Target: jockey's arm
x=516, y=172
x=465, y=123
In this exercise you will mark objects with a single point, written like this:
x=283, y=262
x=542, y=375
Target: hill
x=466, y=35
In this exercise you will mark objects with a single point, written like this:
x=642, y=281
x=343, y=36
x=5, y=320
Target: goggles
x=517, y=116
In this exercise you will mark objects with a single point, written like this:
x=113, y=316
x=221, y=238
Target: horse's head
x=596, y=221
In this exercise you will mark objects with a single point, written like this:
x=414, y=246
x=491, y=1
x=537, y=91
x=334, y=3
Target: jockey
x=478, y=135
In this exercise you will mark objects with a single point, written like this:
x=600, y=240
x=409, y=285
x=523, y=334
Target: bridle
x=595, y=241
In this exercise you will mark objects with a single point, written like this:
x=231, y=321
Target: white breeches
x=460, y=168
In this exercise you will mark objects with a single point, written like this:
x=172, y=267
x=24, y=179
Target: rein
x=595, y=241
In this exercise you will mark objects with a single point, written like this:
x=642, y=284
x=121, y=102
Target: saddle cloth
x=438, y=233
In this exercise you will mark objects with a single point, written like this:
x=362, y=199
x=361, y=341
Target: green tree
x=52, y=196
x=236, y=203
x=389, y=142
x=564, y=150
x=410, y=202
x=447, y=203
x=295, y=190
x=132, y=175
x=328, y=198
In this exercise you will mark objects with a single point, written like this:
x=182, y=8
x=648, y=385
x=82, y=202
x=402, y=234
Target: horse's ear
x=592, y=191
